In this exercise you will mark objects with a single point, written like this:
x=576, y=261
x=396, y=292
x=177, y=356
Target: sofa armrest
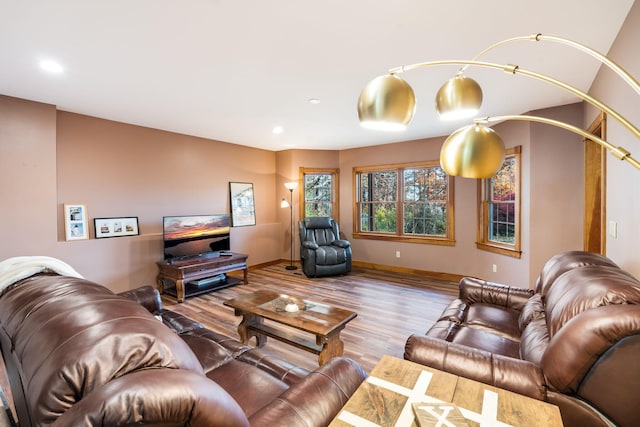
x=518, y=376
x=341, y=243
x=315, y=400
x=146, y=296
x=473, y=291
x=156, y=397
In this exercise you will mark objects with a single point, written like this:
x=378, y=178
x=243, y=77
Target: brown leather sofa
x=78, y=354
x=573, y=341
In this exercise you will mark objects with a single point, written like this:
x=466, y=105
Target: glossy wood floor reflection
x=390, y=306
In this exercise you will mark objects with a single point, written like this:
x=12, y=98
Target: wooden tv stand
x=180, y=278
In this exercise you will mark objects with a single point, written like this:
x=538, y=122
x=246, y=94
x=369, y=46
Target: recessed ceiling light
x=278, y=129
x=51, y=66
x=314, y=101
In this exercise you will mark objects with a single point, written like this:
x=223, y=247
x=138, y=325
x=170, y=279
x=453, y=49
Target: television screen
x=195, y=235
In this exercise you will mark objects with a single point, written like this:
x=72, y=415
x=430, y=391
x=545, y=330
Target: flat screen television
x=195, y=235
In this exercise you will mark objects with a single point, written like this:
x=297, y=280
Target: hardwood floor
x=390, y=306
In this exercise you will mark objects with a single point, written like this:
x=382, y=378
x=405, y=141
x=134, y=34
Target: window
x=499, y=207
x=320, y=192
x=412, y=202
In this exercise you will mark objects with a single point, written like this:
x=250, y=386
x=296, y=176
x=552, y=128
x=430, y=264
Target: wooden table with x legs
x=385, y=399
x=324, y=322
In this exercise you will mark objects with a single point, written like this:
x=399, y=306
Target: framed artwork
x=242, y=204
x=116, y=227
x=75, y=222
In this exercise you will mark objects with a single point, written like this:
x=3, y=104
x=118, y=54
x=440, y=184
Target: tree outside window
x=319, y=195
x=411, y=202
x=499, y=229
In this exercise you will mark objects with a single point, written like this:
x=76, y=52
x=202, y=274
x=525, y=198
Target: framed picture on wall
x=75, y=222
x=116, y=227
x=242, y=204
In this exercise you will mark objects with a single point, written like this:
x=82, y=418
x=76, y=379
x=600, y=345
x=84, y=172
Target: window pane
x=425, y=201
x=384, y=217
x=318, y=190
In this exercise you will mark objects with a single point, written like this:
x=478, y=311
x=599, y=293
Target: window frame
x=483, y=242
x=335, y=189
x=399, y=235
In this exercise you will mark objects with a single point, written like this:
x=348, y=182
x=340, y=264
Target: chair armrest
x=341, y=243
x=473, y=291
x=315, y=400
x=308, y=244
x=146, y=296
x=518, y=376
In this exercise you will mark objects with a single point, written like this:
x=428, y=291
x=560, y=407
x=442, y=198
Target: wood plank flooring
x=390, y=306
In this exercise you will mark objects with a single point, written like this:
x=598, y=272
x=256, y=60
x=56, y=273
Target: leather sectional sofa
x=573, y=341
x=78, y=354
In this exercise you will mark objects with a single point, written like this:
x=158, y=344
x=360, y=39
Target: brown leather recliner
x=78, y=354
x=574, y=341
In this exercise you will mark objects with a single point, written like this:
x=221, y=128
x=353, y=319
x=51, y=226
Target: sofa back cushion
x=588, y=310
x=565, y=261
x=71, y=336
x=587, y=288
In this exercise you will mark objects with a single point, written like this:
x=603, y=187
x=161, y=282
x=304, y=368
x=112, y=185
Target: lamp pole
x=291, y=186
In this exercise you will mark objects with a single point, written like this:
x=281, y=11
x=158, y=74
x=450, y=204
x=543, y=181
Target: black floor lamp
x=290, y=186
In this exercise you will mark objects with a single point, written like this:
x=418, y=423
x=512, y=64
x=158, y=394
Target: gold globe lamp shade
x=460, y=97
x=386, y=103
x=474, y=151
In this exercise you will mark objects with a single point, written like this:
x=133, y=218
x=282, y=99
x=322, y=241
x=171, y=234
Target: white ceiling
x=233, y=70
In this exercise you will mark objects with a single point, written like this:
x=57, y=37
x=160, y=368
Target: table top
x=385, y=399
x=314, y=317
x=203, y=260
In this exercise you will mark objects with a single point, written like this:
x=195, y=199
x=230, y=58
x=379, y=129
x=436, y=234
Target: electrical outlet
x=495, y=268
x=397, y=254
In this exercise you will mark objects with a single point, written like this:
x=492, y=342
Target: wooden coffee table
x=323, y=321
x=385, y=399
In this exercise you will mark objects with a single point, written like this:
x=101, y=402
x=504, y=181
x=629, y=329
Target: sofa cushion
x=488, y=341
x=251, y=387
x=586, y=288
x=496, y=320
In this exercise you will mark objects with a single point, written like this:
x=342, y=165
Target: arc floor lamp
x=477, y=151
x=284, y=204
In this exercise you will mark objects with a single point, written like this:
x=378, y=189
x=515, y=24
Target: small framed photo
x=75, y=222
x=116, y=227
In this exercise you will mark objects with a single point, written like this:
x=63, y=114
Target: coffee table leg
x=180, y=290
x=246, y=333
x=332, y=347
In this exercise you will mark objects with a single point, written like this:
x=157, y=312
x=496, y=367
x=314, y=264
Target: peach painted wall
x=28, y=176
x=288, y=163
x=623, y=180
x=124, y=170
